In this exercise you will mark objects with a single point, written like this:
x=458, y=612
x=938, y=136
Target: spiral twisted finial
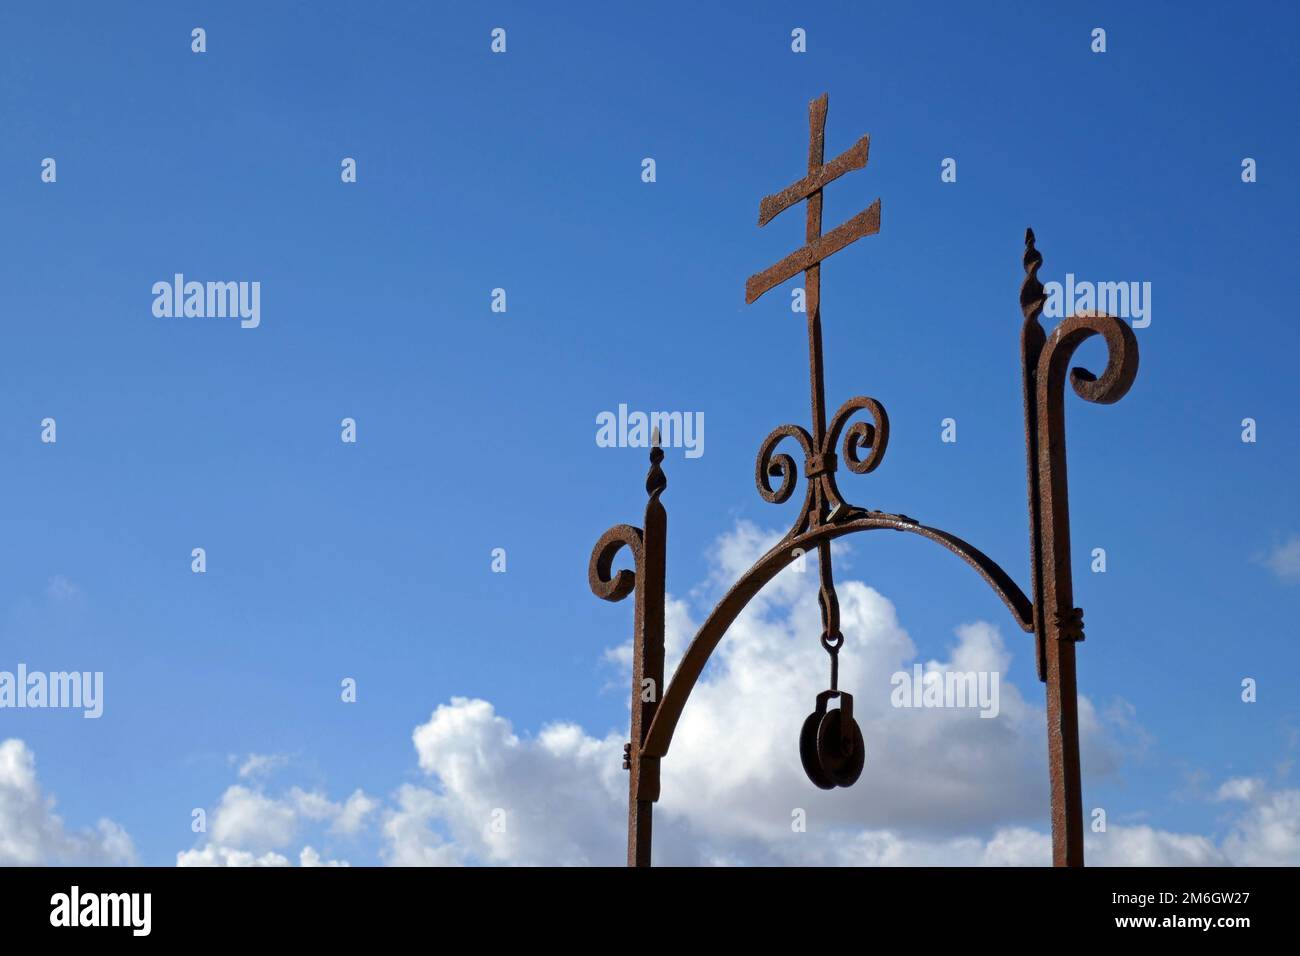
x=1031, y=290
x=655, y=480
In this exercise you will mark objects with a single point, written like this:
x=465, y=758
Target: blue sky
x=476, y=429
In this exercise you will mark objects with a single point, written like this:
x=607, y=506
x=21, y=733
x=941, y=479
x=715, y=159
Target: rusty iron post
x=648, y=548
x=1057, y=625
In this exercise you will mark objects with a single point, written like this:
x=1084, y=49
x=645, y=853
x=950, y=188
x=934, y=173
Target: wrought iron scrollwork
x=604, y=583
x=781, y=466
x=1121, y=359
x=823, y=502
x=873, y=436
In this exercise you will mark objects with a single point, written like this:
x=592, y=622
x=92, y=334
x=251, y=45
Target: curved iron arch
x=715, y=627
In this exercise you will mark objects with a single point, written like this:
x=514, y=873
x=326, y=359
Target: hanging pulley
x=831, y=745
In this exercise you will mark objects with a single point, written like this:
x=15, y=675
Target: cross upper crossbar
x=818, y=247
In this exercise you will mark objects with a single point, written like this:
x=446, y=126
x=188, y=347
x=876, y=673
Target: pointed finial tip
x=1029, y=235
x=655, y=480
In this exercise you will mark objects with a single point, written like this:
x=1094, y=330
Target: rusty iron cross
x=808, y=258
x=823, y=503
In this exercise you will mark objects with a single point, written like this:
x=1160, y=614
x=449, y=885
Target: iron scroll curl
x=822, y=499
x=605, y=584
x=1121, y=358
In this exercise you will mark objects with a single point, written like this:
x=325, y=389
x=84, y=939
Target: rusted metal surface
x=854, y=158
x=1032, y=339
x=831, y=745
x=823, y=503
x=865, y=223
x=647, y=547
x=1058, y=624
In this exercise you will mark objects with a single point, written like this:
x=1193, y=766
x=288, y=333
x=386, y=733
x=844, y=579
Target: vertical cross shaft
x=812, y=283
x=812, y=276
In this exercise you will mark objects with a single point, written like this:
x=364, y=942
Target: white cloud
x=260, y=765
x=249, y=819
x=1144, y=846
x=32, y=834
x=309, y=857
x=249, y=826
x=346, y=818
x=409, y=835
x=1284, y=559
x=1239, y=788
x=352, y=815
x=212, y=855
x=562, y=809
x=500, y=797
x=1268, y=833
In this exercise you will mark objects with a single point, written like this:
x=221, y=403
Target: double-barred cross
x=821, y=504
x=818, y=247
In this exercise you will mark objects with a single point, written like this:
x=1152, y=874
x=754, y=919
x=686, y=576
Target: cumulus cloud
x=251, y=827
x=251, y=819
x=732, y=782
x=942, y=786
x=309, y=857
x=32, y=834
x=1268, y=832
x=411, y=831
x=213, y=855
x=562, y=807
x=216, y=855
x=1145, y=846
x=500, y=796
x=353, y=813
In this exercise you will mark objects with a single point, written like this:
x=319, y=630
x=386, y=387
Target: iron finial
x=655, y=480
x=1031, y=290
